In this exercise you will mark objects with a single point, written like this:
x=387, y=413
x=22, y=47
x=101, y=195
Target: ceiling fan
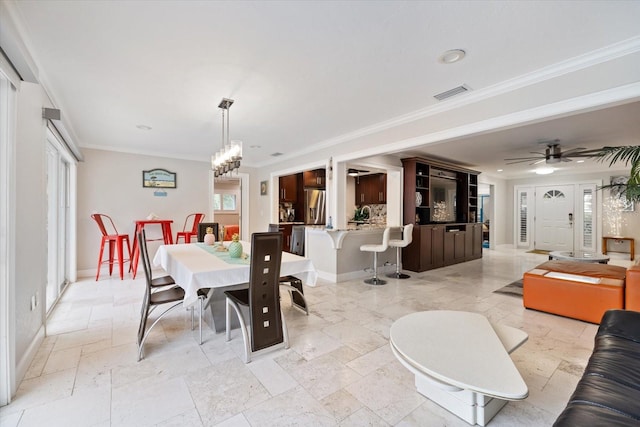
x=552, y=154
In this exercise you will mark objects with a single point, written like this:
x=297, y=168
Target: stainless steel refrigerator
x=314, y=206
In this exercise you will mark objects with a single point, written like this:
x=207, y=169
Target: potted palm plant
x=628, y=154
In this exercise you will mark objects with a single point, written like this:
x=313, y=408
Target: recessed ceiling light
x=451, y=56
x=500, y=170
x=544, y=171
x=144, y=127
x=580, y=161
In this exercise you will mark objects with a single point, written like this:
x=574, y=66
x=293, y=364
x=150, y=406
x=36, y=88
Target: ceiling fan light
x=554, y=159
x=544, y=171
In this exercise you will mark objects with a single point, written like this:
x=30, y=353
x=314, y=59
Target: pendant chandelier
x=229, y=156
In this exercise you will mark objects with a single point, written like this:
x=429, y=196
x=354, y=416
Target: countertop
x=291, y=223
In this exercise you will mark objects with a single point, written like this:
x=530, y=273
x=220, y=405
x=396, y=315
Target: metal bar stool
x=407, y=237
x=115, y=240
x=375, y=249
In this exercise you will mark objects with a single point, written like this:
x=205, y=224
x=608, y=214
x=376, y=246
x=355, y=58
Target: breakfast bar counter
x=336, y=252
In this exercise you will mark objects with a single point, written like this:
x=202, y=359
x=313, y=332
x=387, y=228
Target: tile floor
x=339, y=370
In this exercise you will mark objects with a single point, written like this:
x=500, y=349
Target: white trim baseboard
x=26, y=360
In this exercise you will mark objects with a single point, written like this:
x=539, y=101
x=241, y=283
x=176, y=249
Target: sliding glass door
x=58, y=193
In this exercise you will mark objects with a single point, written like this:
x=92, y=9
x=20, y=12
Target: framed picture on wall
x=263, y=188
x=159, y=178
x=621, y=181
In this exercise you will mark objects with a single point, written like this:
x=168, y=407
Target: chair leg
x=120, y=259
x=295, y=292
x=243, y=327
x=397, y=274
x=375, y=280
x=148, y=331
x=100, y=259
x=111, y=250
x=285, y=331
x=200, y=320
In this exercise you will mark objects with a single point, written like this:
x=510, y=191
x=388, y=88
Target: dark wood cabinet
x=315, y=178
x=454, y=246
x=426, y=250
x=439, y=245
x=457, y=238
x=371, y=189
x=288, y=188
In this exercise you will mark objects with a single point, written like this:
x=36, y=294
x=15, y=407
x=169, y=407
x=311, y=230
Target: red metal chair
x=116, y=242
x=188, y=232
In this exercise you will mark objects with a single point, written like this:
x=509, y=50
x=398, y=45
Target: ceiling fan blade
x=514, y=161
x=524, y=158
x=565, y=159
x=539, y=161
x=573, y=152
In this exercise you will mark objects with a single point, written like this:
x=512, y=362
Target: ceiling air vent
x=276, y=154
x=452, y=92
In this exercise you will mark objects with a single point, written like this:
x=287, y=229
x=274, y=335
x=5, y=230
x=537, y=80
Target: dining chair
x=116, y=242
x=153, y=299
x=291, y=283
x=202, y=230
x=297, y=240
x=190, y=227
x=262, y=298
x=156, y=282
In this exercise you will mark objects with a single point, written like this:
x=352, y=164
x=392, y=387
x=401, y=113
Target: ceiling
x=304, y=73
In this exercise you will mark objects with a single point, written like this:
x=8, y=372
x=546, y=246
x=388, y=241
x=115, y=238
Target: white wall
x=111, y=183
x=31, y=221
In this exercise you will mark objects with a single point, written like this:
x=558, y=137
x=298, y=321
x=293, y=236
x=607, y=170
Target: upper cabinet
x=288, y=188
x=438, y=192
x=315, y=178
x=371, y=189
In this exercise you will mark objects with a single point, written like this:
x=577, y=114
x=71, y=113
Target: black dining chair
x=154, y=297
x=262, y=298
x=291, y=283
x=173, y=296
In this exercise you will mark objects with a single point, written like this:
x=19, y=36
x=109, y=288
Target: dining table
x=196, y=266
x=165, y=225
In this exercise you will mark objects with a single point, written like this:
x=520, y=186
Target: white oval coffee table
x=460, y=361
x=580, y=256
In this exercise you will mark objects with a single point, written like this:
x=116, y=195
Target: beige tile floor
x=339, y=370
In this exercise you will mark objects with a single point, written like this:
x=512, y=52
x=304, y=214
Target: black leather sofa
x=608, y=394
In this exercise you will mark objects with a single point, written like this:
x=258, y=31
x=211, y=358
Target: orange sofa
x=581, y=290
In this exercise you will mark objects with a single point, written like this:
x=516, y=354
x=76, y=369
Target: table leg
x=632, y=248
x=166, y=233
x=133, y=265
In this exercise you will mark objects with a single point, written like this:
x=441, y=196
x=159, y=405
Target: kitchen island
x=336, y=253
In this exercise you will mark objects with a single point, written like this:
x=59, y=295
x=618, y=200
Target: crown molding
x=577, y=63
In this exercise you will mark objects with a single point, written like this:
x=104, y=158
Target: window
x=224, y=202
x=523, y=218
x=553, y=194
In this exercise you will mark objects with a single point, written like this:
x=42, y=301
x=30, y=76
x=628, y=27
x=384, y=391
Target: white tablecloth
x=193, y=268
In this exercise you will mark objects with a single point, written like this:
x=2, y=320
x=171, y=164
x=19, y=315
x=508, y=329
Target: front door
x=554, y=218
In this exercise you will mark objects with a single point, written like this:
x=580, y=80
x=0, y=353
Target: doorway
x=554, y=218
x=227, y=206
